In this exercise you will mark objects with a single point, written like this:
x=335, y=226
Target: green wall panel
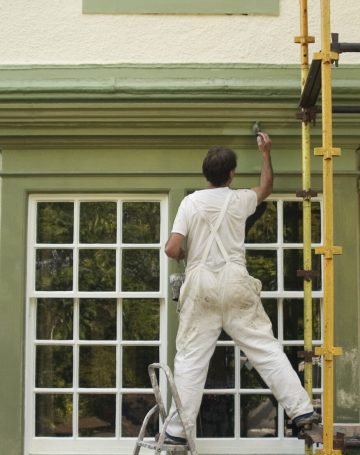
x=181, y=7
x=347, y=308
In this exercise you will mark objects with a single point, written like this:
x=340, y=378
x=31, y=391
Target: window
x=181, y=7
x=245, y=407
x=96, y=299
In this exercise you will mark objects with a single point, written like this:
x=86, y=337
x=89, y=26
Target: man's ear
x=231, y=175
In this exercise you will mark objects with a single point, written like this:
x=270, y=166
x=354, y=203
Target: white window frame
x=70, y=445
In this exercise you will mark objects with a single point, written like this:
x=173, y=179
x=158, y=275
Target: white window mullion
x=76, y=246
x=76, y=357
x=237, y=395
x=280, y=239
x=119, y=369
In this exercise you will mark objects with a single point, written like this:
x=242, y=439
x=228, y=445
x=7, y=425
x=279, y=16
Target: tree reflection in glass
x=98, y=222
x=55, y=222
x=97, y=319
x=54, y=270
x=53, y=415
x=262, y=264
x=141, y=222
x=140, y=270
x=97, y=270
x=141, y=319
x=54, y=366
x=97, y=366
x=264, y=230
x=54, y=319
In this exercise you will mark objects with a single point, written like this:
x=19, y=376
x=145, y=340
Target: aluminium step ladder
x=159, y=446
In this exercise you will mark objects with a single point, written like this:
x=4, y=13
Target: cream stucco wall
x=56, y=32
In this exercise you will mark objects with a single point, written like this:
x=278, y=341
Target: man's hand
x=264, y=142
x=266, y=178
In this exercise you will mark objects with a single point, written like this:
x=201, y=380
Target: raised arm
x=266, y=178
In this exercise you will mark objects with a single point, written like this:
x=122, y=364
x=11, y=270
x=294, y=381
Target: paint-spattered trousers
x=228, y=299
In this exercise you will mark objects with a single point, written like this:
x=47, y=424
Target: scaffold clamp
x=308, y=275
x=306, y=194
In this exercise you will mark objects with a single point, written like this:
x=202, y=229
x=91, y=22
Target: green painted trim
x=163, y=82
x=267, y=7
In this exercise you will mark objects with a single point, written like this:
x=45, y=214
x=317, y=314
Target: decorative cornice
x=135, y=105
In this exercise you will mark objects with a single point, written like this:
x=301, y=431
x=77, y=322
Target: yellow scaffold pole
x=304, y=39
x=328, y=250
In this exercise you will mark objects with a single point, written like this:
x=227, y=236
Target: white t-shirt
x=192, y=225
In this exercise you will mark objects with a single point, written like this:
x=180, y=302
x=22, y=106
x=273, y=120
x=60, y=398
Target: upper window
x=270, y=7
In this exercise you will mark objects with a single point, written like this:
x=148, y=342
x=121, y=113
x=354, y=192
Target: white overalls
x=229, y=299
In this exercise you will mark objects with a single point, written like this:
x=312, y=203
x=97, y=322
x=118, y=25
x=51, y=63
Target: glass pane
x=293, y=261
x=270, y=306
x=216, y=417
x=97, y=319
x=316, y=222
x=97, y=366
x=258, y=416
x=135, y=365
x=54, y=270
x=293, y=310
x=97, y=270
x=98, y=222
x=140, y=270
x=53, y=415
x=296, y=357
x=134, y=408
x=262, y=265
x=249, y=377
x=262, y=226
x=221, y=373
x=141, y=319
x=55, y=222
x=97, y=415
x=293, y=222
x=141, y=222
x=54, y=366
x=54, y=319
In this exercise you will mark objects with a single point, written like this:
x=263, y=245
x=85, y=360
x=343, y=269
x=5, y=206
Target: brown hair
x=217, y=165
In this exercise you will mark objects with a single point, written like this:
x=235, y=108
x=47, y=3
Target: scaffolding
x=313, y=80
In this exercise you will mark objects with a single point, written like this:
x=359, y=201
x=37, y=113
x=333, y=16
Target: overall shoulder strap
x=214, y=231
